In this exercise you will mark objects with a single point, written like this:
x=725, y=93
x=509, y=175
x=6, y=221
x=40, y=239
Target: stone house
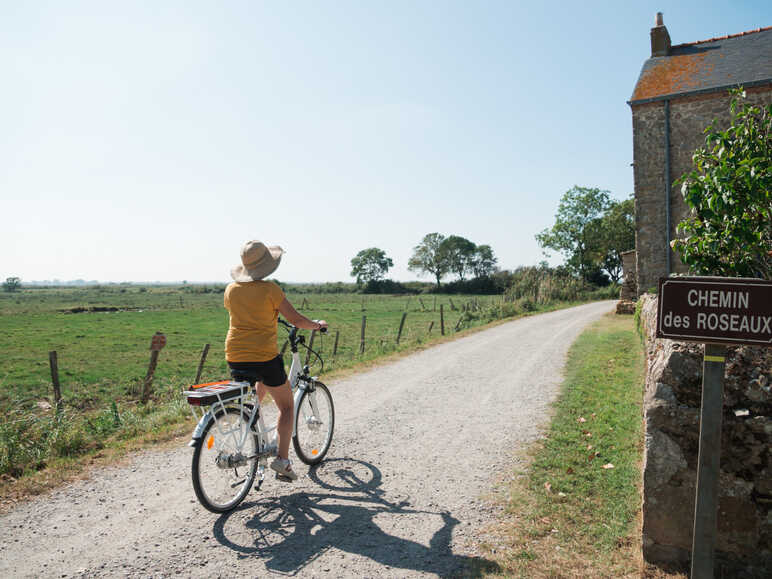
x=682, y=89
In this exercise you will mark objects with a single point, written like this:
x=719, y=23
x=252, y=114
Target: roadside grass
x=573, y=510
x=103, y=357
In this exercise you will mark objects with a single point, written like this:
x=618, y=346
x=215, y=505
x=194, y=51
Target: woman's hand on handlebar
x=322, y=326
x=299, y=320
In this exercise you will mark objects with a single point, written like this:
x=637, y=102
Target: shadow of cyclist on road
x=289, y=532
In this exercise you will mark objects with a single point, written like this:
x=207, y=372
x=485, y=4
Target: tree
x=613, y=234
x=460, y=253
x=430, y=256
x=483, y=261
x=11, y=284
x=572, y=234
x=729, y=230
x=370, y=265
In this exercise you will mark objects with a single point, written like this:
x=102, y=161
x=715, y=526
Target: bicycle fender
x=198, y=432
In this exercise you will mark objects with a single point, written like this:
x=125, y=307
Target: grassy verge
x=573, y=512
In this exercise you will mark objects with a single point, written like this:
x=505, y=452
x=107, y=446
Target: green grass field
x=102, y=339
x=103, y=355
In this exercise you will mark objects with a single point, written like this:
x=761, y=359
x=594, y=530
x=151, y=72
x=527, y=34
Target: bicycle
x=231, y=442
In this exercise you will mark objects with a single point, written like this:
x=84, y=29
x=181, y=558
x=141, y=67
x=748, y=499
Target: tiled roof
x=737, y=59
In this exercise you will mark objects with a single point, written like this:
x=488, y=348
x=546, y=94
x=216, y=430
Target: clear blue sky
x=147, y=141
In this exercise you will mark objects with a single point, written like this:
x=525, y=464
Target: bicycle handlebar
x=291, y=327
x=296, y=340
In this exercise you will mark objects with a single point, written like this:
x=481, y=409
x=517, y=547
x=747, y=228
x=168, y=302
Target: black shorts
x=270, y=373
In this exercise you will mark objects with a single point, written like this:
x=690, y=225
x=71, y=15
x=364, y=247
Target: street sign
x=717, y=311
x=720, y=310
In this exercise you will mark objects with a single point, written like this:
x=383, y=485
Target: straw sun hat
x=257, y=261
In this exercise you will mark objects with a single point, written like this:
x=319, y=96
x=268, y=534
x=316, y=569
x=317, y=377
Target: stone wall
x=671, y=416
x=629, y=290
x=689, y=116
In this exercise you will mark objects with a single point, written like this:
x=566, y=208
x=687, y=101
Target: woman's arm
x=297, y=319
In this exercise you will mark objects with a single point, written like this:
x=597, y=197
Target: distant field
x=103, y=355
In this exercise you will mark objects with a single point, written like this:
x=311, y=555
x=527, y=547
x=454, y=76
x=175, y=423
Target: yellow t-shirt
x=253, y=307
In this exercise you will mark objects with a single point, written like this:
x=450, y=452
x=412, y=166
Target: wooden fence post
x=408, y=302
x=423, y=307
x=149, y=376
x=55, y=379
x=442, y=321
x=158, y=342
x=452, y=305
x=310, y=345
x=401, y=324
x=362, y=337
x=335, y=347
x=458, y=323
x=431, y=325
x=204, y=352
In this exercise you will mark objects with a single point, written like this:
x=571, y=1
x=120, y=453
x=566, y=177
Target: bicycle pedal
x=283, y=478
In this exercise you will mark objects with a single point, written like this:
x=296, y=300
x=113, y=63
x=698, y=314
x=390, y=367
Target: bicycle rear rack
x=212, y=397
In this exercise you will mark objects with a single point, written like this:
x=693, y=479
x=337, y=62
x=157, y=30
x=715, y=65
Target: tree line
x=436, y=255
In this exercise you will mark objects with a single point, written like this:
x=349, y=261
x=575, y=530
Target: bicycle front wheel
x=314, y=423
x=224, y=462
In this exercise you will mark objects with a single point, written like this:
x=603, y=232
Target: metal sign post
x=708, y=458
x=715, y=311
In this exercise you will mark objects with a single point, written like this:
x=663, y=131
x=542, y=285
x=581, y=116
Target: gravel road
x=418, y=444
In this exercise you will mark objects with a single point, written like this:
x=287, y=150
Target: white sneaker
x=283, y=468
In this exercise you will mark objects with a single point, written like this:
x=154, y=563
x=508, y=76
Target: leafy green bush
x=477, y=286
x=543, y=284
x=729, y=231
x=385, y=286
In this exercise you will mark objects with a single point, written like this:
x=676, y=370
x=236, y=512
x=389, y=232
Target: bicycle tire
x=218, y=489
x=313, y=432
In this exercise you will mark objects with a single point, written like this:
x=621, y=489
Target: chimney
x=660, y=39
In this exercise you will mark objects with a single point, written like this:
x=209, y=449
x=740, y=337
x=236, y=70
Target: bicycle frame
x=299, y=382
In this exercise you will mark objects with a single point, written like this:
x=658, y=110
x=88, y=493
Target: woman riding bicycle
x=251, y=345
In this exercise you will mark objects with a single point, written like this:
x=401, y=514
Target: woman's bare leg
x=282, y=396
x=261, y=391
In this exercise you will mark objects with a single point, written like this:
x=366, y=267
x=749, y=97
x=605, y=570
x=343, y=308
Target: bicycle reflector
x=210, y=442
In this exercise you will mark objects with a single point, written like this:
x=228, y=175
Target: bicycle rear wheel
x=314, y=423
x=222, y=471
